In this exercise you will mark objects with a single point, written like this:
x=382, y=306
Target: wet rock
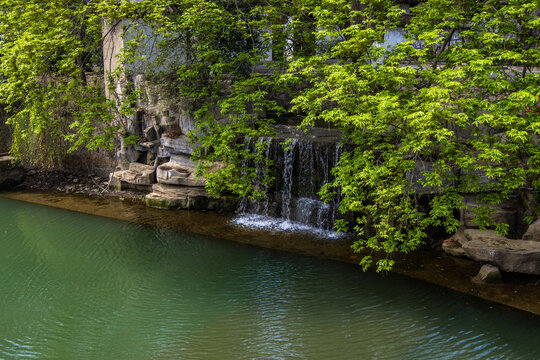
x=509, y=255
x=319, y=135
x=168, y=198
x=10, y=174
x=533, y=232
x=488, y=274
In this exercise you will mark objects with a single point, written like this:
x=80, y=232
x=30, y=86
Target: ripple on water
x=82, y=287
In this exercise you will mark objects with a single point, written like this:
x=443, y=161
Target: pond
x=76, y=286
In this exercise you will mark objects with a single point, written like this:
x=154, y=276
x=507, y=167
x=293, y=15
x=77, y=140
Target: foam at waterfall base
x=277, y=224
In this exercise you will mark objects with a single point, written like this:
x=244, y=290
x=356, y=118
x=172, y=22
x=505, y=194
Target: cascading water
x=300, y=168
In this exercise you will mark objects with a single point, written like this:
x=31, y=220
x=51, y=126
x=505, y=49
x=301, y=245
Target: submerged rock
x=10, y=174
x=488, y=274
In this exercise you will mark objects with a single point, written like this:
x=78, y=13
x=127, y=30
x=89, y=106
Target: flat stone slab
x=173, y=173
x=137, y=174
x=510, y=255
x=171, y=197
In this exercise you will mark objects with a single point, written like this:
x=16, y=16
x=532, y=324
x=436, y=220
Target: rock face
x=488, y=274
x=487, y=246
x=10, y=175
x=178, y=145
x=507, y=215
x=533, y=232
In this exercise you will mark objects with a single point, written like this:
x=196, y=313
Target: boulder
x=10, y=174
x=487, y=246
x=137, y=176
x=533, y=232
x=165, y=196
x=488, y=274
x=453, y=248
x=173, y=173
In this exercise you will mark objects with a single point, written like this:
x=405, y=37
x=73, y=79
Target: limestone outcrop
x=137, y=176
x=522, y=256
x=177, y=145
x=174, y=173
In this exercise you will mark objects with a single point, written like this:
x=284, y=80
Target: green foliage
x=453, y=96
x=450, y=111
x=49, y=54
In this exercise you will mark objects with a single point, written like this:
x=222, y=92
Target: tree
x=451, y=110
x=51, y=78
x=454, y=95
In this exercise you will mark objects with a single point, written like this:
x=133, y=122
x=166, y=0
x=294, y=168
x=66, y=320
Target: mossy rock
x=158, y=202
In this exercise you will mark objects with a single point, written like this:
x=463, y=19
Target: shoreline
x=518, y=291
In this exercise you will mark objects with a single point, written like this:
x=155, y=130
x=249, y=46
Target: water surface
x=76, y=286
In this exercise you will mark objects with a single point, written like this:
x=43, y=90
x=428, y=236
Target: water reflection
x=82, y=287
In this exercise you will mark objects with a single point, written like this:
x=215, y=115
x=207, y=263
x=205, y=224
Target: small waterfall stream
x=300, y=169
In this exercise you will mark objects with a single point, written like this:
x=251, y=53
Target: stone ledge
x=171, y=197
x=173, y=173
x=136, y=174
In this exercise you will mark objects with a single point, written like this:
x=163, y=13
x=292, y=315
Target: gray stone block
x=533, y=232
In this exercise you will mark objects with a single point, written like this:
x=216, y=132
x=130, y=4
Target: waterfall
x=300, y=168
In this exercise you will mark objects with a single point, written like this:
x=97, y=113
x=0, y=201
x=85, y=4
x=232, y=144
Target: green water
x=76, y=286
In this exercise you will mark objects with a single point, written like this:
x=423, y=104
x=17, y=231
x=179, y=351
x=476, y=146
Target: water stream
x=77, y=286
x=302, y=164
